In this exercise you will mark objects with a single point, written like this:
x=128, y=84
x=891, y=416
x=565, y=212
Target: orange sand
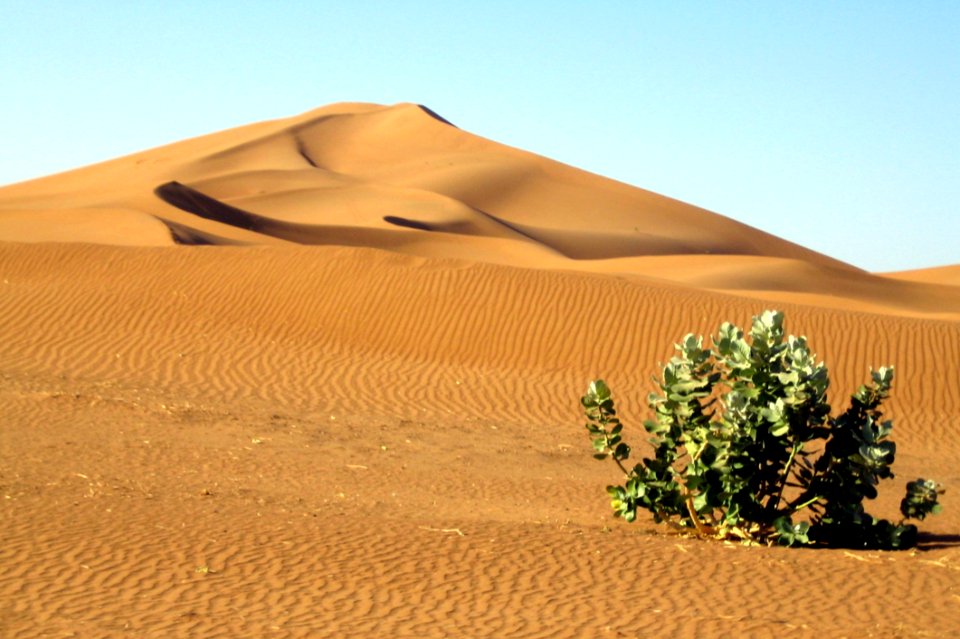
x=353, y=410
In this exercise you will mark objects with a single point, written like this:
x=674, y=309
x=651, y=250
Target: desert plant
x=745, y=447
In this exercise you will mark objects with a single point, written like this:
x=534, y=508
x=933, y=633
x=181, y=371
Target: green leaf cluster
x=745, y=446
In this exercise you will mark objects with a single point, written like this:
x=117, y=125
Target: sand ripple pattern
x=357, y=327
x=392, y=578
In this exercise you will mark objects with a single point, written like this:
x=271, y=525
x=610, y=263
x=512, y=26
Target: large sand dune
x=319, y=377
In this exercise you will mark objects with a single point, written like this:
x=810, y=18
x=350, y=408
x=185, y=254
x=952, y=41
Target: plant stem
x=624, y=470
x=803, y=505
x=702, y=530
x=797, y=445
x=613, y=456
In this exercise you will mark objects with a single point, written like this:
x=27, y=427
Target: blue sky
x=835, y=125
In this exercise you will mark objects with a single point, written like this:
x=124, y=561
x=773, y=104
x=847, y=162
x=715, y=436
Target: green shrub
x=745, y=447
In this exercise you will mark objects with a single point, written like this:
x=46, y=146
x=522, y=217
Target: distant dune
x=946, y=275
x=319, y=377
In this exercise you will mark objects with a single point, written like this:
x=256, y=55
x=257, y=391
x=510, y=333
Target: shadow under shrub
x=745, y=447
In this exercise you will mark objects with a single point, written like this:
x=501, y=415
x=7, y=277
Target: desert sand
x=319, y=377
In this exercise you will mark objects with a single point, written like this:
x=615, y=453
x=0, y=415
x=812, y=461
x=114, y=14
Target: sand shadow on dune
x=203, y=206
x=485, y=224
x=195, y=202
x=573, y=244
x=406, y=223
x=436, y=116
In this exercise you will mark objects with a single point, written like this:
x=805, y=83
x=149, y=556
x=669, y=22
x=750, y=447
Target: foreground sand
x=296, y=439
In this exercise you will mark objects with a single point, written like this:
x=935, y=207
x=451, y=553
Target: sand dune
x=351, y=166
x=945, y=275
x=319, y=377
x=403, y=179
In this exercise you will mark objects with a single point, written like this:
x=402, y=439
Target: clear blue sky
x=835, y=125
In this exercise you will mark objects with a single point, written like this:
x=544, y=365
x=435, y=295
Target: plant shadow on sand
x=931, y=541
